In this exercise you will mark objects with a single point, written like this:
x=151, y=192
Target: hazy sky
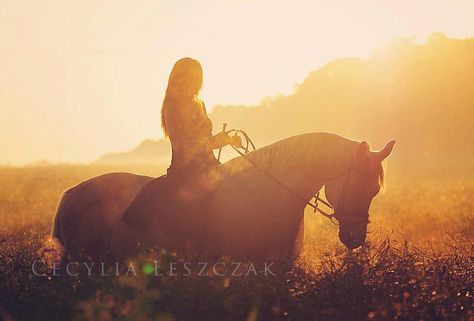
x=81, y=78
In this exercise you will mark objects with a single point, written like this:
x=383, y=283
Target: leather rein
x=333, y=217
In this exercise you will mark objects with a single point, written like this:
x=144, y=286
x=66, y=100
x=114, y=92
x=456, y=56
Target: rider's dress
x=183, y=194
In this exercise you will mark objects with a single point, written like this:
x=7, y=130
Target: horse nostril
x=354, y=244
x=351, y=239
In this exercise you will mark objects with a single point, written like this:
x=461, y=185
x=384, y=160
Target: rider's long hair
x=184, y=85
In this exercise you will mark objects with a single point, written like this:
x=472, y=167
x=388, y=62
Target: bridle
x=363, y=216
x=334, y=217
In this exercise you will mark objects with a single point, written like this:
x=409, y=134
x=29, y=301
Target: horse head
x=351, y=193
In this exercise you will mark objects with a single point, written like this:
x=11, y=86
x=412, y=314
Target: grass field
x=417, y=264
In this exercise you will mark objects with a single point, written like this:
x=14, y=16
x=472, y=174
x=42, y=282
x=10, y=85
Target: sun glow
x=94, y=73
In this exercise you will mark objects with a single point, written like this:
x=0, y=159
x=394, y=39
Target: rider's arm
x=220, y=140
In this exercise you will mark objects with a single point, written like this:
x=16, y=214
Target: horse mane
x=381, y=174
x=317, y=150
x=321, y=151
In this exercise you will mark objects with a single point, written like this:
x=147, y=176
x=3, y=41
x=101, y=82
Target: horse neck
x=307, y=160
x=335, y=156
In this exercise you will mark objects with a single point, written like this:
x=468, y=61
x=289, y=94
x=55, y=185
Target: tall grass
x=417, y=264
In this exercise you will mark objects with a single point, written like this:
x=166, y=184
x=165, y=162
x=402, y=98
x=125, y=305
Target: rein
x=332, y=217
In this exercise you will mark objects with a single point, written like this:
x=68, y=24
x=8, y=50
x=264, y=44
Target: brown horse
x=250, y=214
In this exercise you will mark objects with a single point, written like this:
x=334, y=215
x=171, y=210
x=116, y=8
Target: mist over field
x=420, y=94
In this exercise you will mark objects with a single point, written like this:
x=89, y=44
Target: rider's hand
x=235, y=141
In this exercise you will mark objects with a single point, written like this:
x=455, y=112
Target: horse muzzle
x=353, y=238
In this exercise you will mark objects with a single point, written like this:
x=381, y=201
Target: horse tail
x=53, y=249
x=57, y=232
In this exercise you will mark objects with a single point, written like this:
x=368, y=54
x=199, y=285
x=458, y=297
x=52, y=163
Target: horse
x=256, y=211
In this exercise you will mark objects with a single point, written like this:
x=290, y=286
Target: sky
x=82, y=78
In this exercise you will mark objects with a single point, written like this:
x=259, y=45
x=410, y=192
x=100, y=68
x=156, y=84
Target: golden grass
x=417, y=263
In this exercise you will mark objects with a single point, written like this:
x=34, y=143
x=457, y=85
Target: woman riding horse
x=190, y=179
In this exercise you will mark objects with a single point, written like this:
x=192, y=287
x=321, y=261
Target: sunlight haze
x=82, y=78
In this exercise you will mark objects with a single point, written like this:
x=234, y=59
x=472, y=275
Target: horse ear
x=385, y=152
x=362, y=151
